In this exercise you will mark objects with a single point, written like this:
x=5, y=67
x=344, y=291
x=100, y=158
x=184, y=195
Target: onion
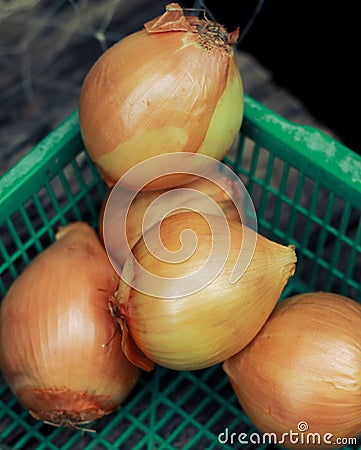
x=196, y=289
x=189, y=196
x=173, y=86
x=59, y=350
x=302, y=372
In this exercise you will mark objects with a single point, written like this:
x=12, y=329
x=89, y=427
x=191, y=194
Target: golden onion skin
x=143, y=200
x=161, y=92
x=190, y=332
x=59, y=353
x=304, y=367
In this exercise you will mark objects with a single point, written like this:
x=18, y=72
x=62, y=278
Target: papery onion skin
x=58, y=351
x=304, y=366
x=190, y=199
x=161, y=92
x=201, y=329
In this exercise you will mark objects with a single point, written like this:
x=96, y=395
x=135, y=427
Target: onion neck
x=213, y=35
x=210, y=34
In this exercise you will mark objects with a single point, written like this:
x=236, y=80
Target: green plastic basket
x=306, y=189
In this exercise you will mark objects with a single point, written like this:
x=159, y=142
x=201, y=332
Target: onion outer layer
x=59, y=352
x=160, y=92
x=304, y=367
x=181, y=203
x=201, y=329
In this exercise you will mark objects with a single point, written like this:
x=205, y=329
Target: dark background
x=299, y=58
x=312, y=48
